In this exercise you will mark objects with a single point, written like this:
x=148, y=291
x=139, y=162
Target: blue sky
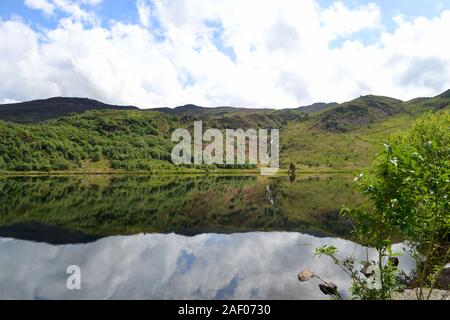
x=125, y=10
x=121, y=10
x=255, y=53
x=392, y=8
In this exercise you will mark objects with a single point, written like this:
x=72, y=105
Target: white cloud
x=71, y=7
x=339, y=20
x=45, y=5
x=281, y=55
x=144, y=12
x=6, y=100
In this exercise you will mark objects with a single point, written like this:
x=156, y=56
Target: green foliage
x=337, y=137
x=130, y=139
x=411, y=182
x=419, y=105
x=359, y=112
x=412, y=187
x=309, y=148
x=292, y=167
x=408, y=191
x=380, y=280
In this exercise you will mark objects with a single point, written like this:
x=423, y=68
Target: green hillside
x=418, y=105
x=309, y=147
x=131, y=140
x=359, y=112
x=325, y=137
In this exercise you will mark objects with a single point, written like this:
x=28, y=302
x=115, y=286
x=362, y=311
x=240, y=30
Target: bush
x=292, y=167
x=60, y=165
x=96, y=156
x=408, y=188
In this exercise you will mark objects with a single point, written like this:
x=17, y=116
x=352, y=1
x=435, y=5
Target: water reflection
x=257, y=265
x=112, y=205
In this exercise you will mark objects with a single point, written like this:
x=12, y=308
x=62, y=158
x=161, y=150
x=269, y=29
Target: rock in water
x=367, y=270
x=443, y=279
x=328, y=288
x=305, y=275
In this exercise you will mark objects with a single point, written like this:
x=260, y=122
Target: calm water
x=126, y=205
x=258, y=265
x=166, y=237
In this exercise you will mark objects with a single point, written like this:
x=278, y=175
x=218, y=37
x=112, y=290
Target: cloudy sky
x=254, y=53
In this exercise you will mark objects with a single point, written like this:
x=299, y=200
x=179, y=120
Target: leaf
x=397, y=254
x=394, y=161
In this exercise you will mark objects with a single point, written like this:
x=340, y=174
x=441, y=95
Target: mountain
x=188, y=108
x=233, y=117
x=439, y=102
x=333, y=116
x=317, y=107
x=333, y=136
x=41, y=110
x=445, y=94
x=361, y=111
x=194, y=110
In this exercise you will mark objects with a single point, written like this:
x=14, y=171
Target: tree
x=408, y=188
x=414, y=176
x=292, y=167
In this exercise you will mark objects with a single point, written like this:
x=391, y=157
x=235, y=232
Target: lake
x=172, y=237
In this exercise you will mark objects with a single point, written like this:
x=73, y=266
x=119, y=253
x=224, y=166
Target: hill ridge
x=335, y=116
x=45, y=109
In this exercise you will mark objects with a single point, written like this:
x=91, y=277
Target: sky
x=250, y=53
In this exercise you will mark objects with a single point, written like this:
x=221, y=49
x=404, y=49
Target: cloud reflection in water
x=260, y=265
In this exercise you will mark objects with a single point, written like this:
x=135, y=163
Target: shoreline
x=281, y=172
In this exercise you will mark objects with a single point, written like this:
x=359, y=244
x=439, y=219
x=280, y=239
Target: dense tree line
x=128, y=139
